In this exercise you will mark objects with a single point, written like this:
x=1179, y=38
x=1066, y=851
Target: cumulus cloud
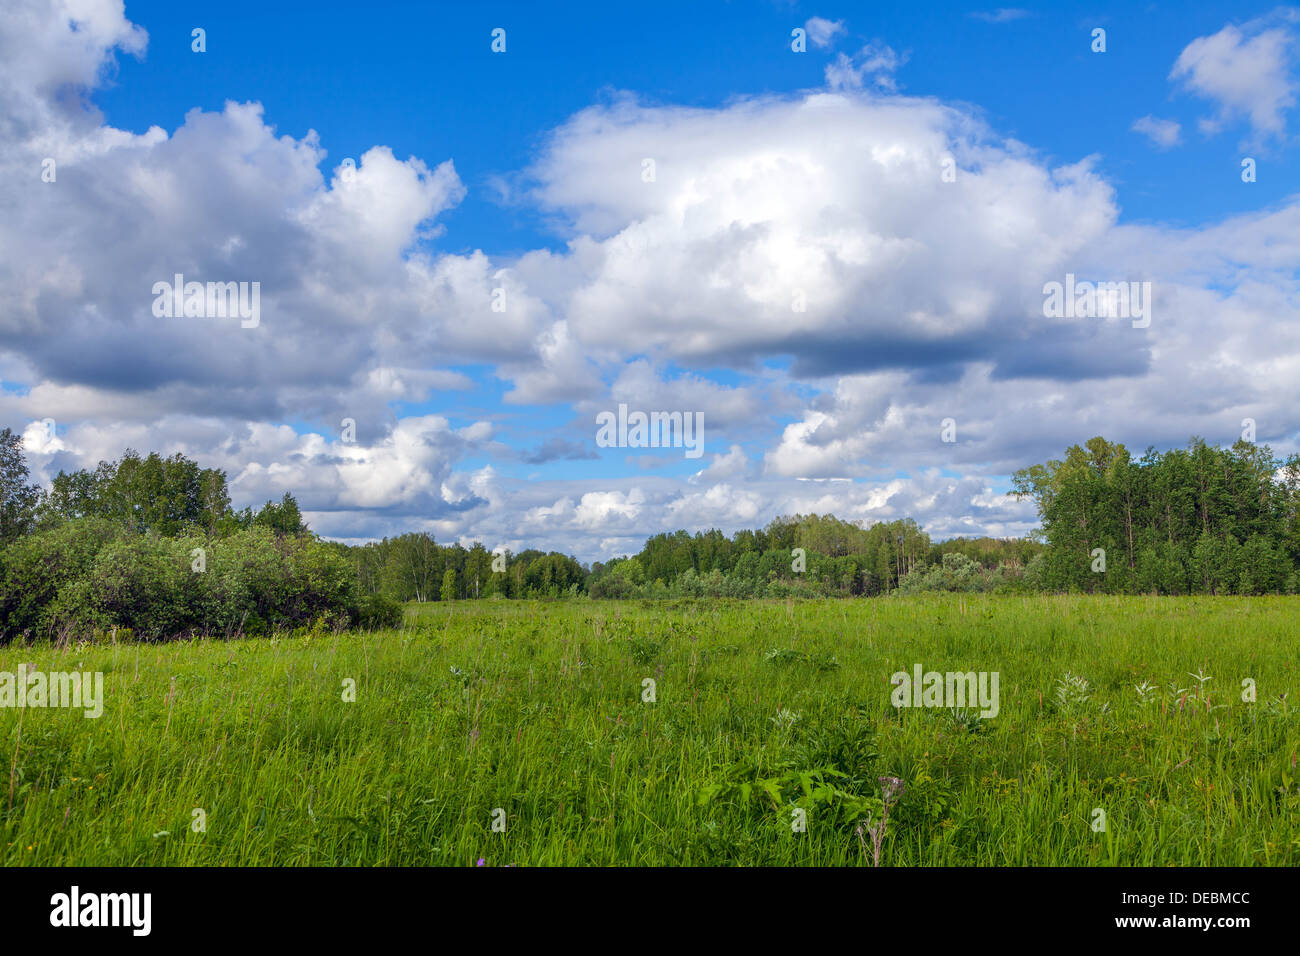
x=818, y=227
x=406, y=471
x=53, y=53
x=733, y=464
x=642, y=388
x=800, y=270
x=1247, y=71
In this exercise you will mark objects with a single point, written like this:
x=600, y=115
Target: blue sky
x=421, y=78
x=782, y=174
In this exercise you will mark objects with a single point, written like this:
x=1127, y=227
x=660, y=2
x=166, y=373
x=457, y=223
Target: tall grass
x=761, y=708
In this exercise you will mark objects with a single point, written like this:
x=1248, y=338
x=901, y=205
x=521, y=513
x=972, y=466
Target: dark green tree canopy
x=1201, y=519
x=18, y=496
x=168, y=496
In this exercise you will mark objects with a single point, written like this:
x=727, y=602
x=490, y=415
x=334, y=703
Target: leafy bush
x=37, y=570
x=88, y=575
x=376, y=612
x=956, y=573
x=144, y=583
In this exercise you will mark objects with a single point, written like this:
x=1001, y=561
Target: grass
x=761, y=708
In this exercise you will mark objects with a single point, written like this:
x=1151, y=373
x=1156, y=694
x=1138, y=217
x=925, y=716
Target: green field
x=761, y=708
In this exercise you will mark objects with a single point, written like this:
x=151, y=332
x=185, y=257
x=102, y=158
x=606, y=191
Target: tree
x=282, y=518
x=1200, y=519
x=214, y=500
x=170, y=496
x=18, y=498
x=478, y=569
x=449, y=585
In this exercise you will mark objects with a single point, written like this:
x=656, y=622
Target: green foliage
x=89, y=575
x=40, y=576
x=18, y=497
x=281, y=518
x=838, y=559
x=1201, y=520
x=168, y=496
x=1204, y=520
x=957, y=572
x=818, y=790
x=143, y=583
x=412, y=567
x=376, y=612
x=536, y=707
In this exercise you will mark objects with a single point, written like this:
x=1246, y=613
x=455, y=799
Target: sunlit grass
x=536, y=708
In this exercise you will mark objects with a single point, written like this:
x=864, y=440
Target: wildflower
x=482, y=862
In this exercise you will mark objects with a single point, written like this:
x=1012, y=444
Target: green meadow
x=528, y=733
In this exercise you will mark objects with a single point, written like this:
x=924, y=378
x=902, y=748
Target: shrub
x=144, y=583
x=36, y=570
x=88, y=575
x=956, y=572
x=376, y=612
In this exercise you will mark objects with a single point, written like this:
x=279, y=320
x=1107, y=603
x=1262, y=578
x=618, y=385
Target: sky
x=824, y=232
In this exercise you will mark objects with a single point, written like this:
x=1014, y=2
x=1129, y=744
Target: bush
x=377, y=612
x=37, y=570
x=143, y=583
x=956, y=572
x=88, y=576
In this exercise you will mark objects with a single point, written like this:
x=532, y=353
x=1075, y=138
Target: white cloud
x=822, y=32
x=830, y=201
x=1001, y=15
x=642, y=388
x=373, y=212
x=412, y=384
x=1248, y=71
x=923, y=301
x=600, y=509
x=556, y=371
x=875, y=64
x=1162, y=132
x=733, y=464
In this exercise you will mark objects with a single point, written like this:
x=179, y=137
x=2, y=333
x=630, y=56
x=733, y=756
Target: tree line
x=151, y=545
x=794, y=555
x=1199, y=520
